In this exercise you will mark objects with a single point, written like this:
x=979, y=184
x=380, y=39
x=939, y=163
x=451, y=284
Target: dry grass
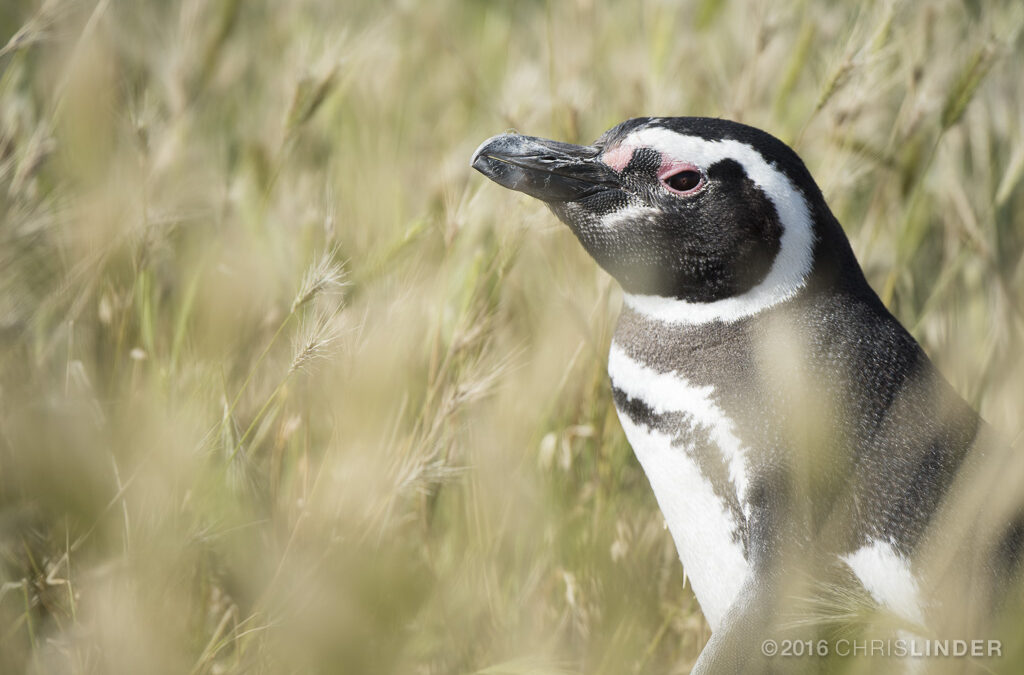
x=186, y=486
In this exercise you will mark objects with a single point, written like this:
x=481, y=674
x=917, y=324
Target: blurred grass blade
x=966, y=84
x=310, y=93
x=1011, y=177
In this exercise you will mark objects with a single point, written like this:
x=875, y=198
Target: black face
x=660, y=224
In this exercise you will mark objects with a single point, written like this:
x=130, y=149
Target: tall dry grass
x=284, y=387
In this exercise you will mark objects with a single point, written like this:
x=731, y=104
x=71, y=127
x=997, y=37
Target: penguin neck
x=656, y=336
x=679, y=312
x=716, y=353
x=682, y=316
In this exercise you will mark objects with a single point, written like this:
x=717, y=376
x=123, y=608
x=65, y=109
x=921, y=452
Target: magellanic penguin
x=806, y=454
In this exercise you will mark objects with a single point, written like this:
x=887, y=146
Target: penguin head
x=693, y=209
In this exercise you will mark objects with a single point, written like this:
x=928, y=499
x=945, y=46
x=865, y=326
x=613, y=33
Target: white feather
x=888, y=578
x=626, y=215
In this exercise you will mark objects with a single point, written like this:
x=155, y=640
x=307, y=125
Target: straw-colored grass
x=285, y=387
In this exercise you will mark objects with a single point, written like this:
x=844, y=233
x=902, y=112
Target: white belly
x=700, y=522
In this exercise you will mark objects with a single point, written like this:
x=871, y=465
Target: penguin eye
x=684, y=182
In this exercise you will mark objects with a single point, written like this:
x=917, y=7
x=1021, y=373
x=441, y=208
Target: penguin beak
x=548, y=170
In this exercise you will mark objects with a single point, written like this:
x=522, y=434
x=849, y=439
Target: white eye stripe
x=789, y=271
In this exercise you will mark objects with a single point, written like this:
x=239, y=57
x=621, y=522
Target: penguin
x=798, y=440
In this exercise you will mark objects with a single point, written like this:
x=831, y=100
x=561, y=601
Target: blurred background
x=286, y=387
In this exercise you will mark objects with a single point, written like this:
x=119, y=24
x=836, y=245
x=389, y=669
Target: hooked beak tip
x=494, y=148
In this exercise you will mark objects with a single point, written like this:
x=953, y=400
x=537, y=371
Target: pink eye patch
x=677, y=176
x=618, y=157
